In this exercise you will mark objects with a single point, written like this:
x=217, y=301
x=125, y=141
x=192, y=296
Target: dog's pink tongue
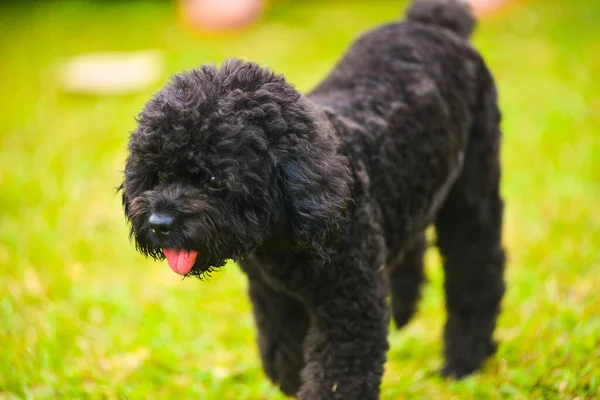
x=181, y=261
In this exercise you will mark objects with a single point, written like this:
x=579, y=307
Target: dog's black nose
x=161, y=225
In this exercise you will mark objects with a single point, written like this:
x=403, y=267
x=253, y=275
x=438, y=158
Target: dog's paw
x=402, y=318
x=457, y=371
x=459, y=368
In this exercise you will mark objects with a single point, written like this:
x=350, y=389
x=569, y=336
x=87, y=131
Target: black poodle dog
x=323, y=199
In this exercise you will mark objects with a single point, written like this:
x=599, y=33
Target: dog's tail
x=455, y=15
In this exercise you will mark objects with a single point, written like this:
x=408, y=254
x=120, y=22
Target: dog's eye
x=214, y=183
x=162, y=177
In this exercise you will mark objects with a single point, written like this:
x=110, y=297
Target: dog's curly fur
x=323, y=199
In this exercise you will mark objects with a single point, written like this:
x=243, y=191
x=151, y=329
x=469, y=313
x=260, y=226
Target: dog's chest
x=286, y=272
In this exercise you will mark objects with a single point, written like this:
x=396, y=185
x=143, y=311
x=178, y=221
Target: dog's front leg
x=346, y=345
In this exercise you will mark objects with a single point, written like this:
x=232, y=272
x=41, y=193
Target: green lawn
x=83, y=316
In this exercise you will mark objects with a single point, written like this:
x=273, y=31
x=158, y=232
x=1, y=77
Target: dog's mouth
x=181, y=261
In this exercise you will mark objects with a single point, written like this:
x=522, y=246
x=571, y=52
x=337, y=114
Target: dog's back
x=406, y=94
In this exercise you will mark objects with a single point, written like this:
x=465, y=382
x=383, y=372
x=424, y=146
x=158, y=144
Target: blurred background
x=82, y=315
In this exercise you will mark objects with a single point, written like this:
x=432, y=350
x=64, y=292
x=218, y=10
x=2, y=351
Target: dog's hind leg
x=469, y=230
x=282, y=324
x=405, y=280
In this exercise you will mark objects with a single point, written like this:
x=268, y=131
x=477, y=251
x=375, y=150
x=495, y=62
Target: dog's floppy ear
x=124, y=202
x=315, y=194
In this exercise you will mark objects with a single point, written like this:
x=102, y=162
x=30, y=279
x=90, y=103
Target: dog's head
x=225, y=159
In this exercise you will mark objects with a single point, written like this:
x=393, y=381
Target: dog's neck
x=324, y=118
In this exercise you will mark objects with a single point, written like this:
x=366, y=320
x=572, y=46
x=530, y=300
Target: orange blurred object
x=495, y=8
x=482, y=7
x=220, y=15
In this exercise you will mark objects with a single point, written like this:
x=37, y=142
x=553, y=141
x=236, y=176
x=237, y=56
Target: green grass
x=83, y=316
